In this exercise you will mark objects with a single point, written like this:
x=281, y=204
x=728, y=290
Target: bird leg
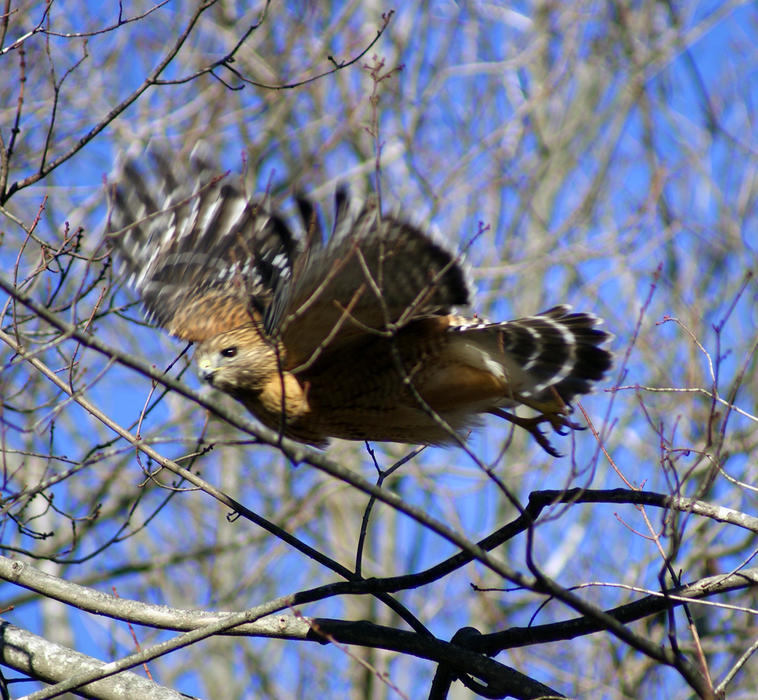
x=557, y=420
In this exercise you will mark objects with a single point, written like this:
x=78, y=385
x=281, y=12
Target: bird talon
x=543, y=442
x=558, y=422
x=561, y=424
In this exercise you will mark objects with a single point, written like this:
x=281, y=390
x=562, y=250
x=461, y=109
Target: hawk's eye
x=229, y=352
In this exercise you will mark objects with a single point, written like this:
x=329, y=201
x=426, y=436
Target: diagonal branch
x=152, y=79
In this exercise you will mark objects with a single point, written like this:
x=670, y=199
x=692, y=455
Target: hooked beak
x=205, y=368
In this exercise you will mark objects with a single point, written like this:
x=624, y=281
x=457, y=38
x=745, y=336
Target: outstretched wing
x=203, y=258
x=374, y=275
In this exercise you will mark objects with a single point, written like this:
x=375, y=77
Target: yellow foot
x=558, y=421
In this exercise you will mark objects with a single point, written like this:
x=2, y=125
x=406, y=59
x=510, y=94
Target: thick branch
x=51, y=663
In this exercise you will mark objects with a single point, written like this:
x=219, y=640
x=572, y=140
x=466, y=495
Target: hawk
x=351, y=337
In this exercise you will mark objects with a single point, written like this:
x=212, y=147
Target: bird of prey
x=355, y=336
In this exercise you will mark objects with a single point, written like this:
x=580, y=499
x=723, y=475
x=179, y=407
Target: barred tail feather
x=563, y=349
x=553, y=351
